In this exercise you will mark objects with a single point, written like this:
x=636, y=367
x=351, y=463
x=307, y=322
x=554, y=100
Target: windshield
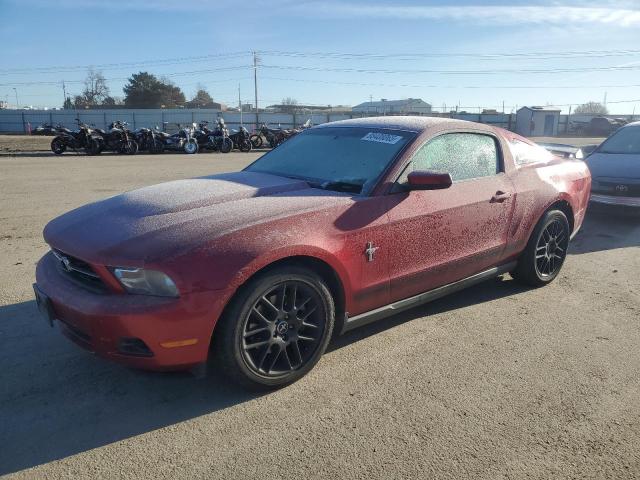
x=626, y=140
x=335, y=158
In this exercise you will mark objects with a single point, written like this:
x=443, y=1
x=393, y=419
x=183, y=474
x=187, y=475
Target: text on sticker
x=381, y=138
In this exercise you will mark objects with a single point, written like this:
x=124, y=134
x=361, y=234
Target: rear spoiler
x=569, y=151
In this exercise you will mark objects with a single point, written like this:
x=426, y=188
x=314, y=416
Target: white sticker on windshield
x=381, y=138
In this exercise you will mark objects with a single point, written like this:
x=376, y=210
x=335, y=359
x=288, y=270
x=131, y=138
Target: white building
x=394, y=107
x=537, y=121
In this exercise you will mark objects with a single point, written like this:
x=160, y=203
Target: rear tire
x=58, y=146
x=542, y=259
x=276, y=328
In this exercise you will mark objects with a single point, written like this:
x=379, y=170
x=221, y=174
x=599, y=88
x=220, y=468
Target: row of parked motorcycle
x=189, y=138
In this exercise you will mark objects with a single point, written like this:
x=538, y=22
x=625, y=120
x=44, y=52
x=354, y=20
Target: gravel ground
x=500, y=381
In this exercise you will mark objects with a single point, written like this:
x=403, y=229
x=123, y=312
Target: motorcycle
x=183, y=140
x=118, y=139
x=84, y=138
x=148, y=140
x=241, y=139
x=46, y=129
x=216, y=140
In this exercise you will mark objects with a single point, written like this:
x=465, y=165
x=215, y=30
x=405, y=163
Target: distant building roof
x=388, y=103
x=541, y=109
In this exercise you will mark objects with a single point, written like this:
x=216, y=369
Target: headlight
x=146, y=282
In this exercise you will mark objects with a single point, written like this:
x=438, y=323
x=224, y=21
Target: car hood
x=614, y=165
x=167, y=219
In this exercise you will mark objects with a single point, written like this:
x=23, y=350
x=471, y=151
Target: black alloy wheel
x=275, y=329
x=551, y=249
x=546, y=250
x=283, y=329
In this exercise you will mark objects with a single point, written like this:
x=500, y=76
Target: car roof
x=410, y=123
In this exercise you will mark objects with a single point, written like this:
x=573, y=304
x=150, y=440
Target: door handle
x=500, y=197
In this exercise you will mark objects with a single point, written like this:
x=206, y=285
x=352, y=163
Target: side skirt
x=426, y=297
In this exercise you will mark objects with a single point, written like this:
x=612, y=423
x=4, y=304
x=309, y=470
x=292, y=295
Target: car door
x=442, y=236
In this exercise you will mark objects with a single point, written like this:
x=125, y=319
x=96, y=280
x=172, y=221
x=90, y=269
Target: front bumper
x=99, y=322
x=615, y=200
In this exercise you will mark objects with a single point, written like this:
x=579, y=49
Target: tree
x=68, y=104
x=145, y=90
x=289, y=105
x=95, y=88
x=593, y=108
x=201, y=99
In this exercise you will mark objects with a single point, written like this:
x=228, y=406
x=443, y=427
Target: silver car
x=615, y=168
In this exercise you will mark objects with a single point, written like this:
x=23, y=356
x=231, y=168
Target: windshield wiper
x=341, y=186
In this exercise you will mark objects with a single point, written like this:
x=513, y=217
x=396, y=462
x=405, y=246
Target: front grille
x=78, y=271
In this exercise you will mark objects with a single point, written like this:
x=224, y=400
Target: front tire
x=93, y=147
x=131, y=147
x=276, y=329
x=226, y=146
x=544, y=255
x=191, y=147
x=256, y=140
x=246, y=146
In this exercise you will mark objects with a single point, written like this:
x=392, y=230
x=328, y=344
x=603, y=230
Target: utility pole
x=64, y=92
x=605, y=99
x=17, y=103
x=255, y=83
x=240, y=104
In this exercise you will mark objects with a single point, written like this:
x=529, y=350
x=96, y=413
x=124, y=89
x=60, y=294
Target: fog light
x=134, y=347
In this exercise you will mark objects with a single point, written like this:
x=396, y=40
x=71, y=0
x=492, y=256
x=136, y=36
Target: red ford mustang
x=344, y=224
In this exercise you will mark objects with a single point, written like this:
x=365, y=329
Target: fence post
x=133, y=117
x=509, y=125
x=24, y=128
x=104, y=119
x=50, y=118
x=162, y=119
x=294, y=119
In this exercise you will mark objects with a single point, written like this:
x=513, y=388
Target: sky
x=468, y=54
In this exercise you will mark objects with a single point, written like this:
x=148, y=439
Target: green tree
x=145, y=90
x=593, y=108
x=68, y=104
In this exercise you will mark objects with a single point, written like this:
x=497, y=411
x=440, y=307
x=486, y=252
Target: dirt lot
x=24, y=143
x=500, y=381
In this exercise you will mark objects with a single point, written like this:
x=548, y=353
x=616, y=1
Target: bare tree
x=289, y=105
x=593, y=108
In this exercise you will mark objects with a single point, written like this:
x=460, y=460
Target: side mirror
x=428, y=180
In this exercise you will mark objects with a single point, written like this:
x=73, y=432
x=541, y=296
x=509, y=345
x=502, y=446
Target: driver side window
x=464, y=156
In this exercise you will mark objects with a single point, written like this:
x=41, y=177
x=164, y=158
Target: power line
x=124, y=65
x=479, y=87
x=485, y=56
x=457, y=72
x=177, y=74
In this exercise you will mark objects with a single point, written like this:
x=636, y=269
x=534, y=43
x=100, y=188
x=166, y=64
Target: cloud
x=495, y=14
